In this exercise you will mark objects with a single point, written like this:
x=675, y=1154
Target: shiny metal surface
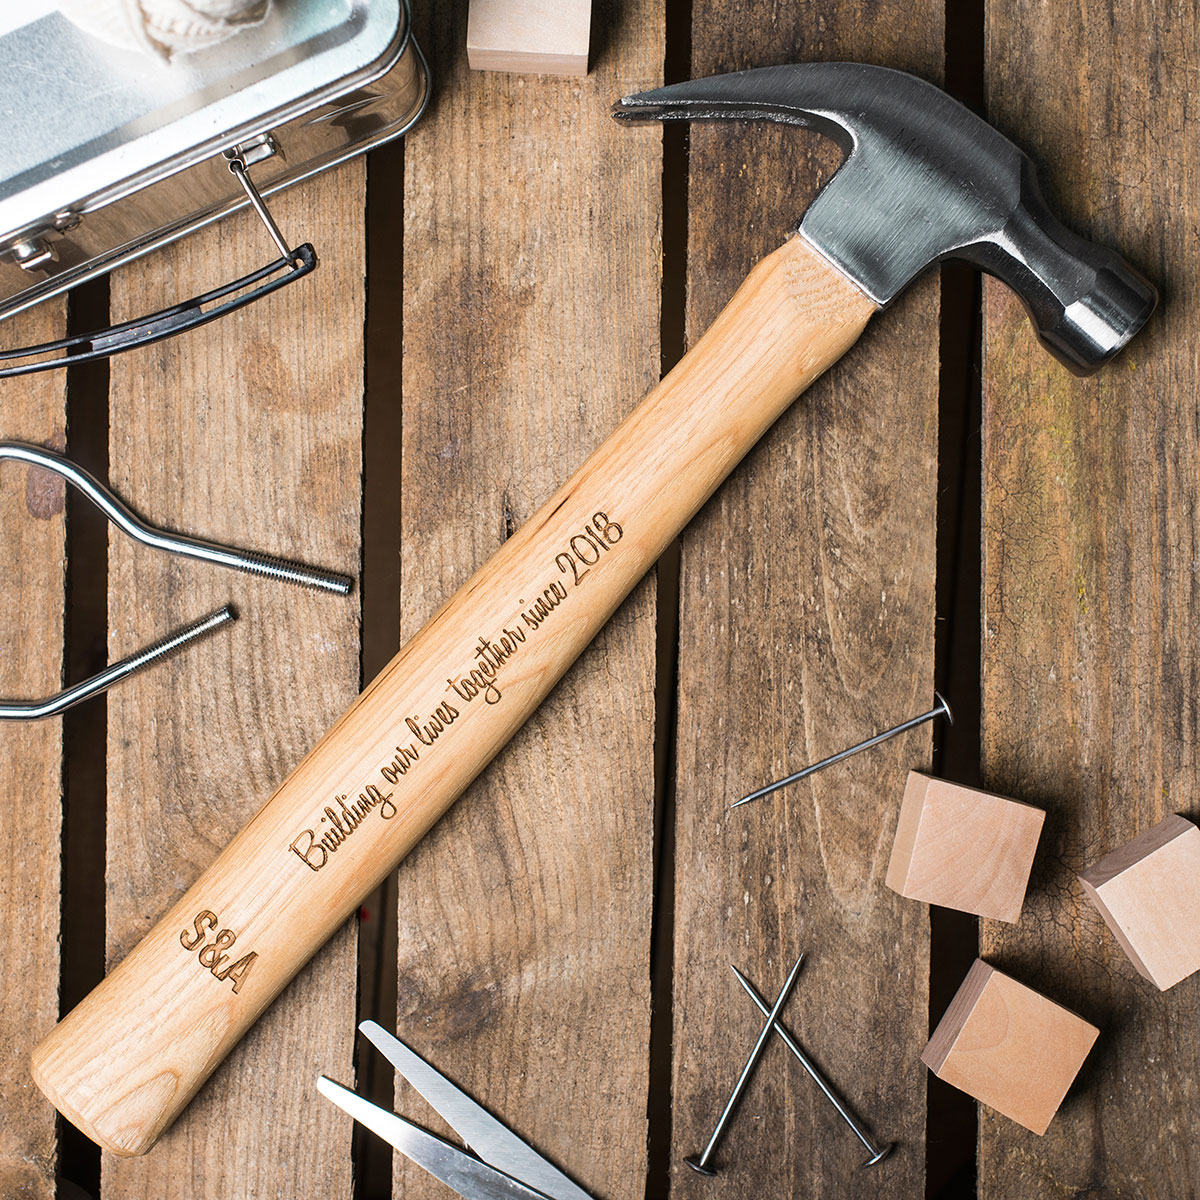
x=144, y=165
x=125, y=519
x=469, y=1176
x=31, y=710
x=925, y=179
x=501, y=1167
x=83, y=117
x=488, y=1137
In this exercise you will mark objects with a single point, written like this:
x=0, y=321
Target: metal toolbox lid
x=86, y=123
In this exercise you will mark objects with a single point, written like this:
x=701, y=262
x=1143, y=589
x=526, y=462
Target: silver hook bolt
x=32, y=710
x=125, y=519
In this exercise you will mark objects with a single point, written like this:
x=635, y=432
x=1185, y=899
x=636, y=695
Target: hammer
x=923, y=179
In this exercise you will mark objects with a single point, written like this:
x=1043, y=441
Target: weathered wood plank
x=248, y=431
x=531, y=328
x=1090, y=595
x=806, y=623
x=31, y=658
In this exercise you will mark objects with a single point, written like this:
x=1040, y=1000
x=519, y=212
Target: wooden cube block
x=1147, y=891
x=962, y=848
x=1009, y=1047
x=536, y=36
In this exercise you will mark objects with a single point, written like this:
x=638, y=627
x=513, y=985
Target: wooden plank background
x=531, y=328
x=247, y=431
x=32, y=509
x=532, y=310
x=1090, y=598
x=806, y=594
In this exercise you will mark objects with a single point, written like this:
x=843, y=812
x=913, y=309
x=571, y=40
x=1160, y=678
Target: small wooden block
x=962, y=848
x=537, y=36
x=1009, y=1047
x=1146, y=890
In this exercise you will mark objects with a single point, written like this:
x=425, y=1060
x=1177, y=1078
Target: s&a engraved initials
x=211, y=955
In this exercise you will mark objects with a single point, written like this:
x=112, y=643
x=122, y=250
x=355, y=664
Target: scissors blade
x=469, y=1176
x=493, y=1141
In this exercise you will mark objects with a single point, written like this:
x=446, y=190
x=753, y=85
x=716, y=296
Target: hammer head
x=925, y=179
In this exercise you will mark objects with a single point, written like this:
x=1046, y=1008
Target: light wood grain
x=1146, y=892
x=31, y=657
x=436, y=715
x=1090, y=589
x=247, y=431
x=1010, y=1047
x=963, y=848
x=537, y=36
x=806, y=624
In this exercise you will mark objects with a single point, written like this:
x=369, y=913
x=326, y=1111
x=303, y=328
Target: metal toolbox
x=111, y=153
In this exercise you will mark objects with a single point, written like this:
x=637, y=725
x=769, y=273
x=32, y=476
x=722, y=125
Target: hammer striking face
x=925, y=179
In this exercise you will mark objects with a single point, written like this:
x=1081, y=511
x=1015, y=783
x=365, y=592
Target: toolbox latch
x=255, y=149
x=30, y=253
x=188, y=314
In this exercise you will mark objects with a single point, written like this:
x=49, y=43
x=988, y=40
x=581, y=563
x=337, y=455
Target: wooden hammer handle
x=125, y=1061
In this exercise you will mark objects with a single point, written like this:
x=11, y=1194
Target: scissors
x=502, y=1167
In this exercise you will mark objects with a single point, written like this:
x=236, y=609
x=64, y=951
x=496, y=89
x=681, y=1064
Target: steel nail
x=877, y=1153
x=701, y=1164
x=940, y=709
